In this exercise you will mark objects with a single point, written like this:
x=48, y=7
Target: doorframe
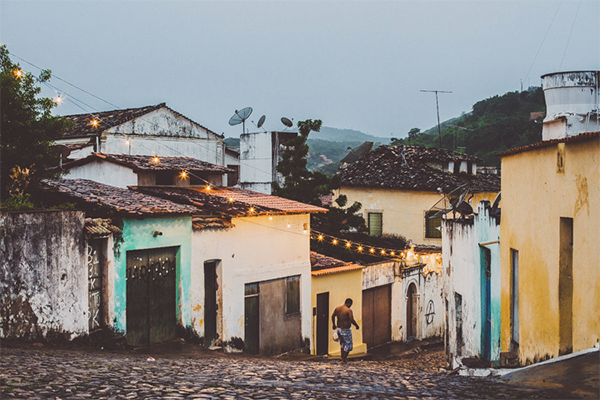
x=322, y=333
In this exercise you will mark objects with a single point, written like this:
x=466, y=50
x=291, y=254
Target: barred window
x=375, y=224
x=433, y=225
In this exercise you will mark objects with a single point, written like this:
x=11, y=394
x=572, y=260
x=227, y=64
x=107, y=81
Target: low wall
x=43, y=275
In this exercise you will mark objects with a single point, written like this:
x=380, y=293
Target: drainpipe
x=483, y=244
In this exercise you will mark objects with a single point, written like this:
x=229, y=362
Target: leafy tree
x=28, y=128
x=300, y=184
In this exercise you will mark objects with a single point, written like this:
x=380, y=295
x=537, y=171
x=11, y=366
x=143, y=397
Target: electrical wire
x=570, y=33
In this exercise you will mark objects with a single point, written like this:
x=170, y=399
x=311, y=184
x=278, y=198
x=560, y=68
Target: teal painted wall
x=139, y=235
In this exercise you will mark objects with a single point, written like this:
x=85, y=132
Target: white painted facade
x=464, y=274
x=104, y=172
x=256, y=249
x=260, y=152
x=426, y=275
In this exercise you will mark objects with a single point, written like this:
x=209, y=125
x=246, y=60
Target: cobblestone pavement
x=66, y=374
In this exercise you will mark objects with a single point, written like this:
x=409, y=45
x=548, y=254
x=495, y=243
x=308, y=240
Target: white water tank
x=571, y=102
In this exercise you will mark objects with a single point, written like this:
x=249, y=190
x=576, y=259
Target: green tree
x=300, y=184
x=28, y=128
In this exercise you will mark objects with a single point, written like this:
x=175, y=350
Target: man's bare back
x=345, y=317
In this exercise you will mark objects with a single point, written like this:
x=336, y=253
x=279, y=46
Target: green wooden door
x=151, y=300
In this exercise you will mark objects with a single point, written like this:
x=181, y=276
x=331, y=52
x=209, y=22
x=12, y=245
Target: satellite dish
x=261, y=121
x=453, y=201
x=240, y=117
x=62, y=150
x=287, y=122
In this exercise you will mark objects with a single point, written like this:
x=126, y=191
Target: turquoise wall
x=139, y=235
x=488, y=230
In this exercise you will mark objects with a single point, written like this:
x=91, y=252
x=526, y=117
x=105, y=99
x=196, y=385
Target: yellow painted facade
x=403, y=211
x=340, y=285
x=550, y=210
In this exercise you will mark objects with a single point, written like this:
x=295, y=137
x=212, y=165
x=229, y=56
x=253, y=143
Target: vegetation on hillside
x=495, y=124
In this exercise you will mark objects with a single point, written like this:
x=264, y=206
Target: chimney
x=571, y=103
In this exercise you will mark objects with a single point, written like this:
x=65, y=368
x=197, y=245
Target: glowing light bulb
x=252, y=210
x=383, y=252
x=372, y=250
x=360, y=248
x=58, y=100
x=289, y=225
x=271, y=218
x=334, y=241
x=392, y=253
x=183, y=174
x=320, y=238
x=348, y=244
x=94, y=122
x=208, y=188
x=156, y=160
x=18, y=73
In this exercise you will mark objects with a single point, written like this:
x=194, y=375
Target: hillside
x=495, y=124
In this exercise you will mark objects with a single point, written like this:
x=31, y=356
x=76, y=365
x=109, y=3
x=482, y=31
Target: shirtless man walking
x=345, y=319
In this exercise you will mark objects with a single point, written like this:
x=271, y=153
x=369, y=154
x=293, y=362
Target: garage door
x=376, y=315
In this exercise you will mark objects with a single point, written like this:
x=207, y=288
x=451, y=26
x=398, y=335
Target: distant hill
x=345, y=135
x=495, y=124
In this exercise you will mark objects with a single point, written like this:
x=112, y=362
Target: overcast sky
x=358, y=65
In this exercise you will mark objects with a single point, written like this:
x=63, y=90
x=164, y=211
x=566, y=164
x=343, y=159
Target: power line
x=569, y=39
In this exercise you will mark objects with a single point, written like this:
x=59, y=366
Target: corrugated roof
x=98, y=227
x=152, y=163
x=109, y=119
x=406, y=168
x=114, y=198
x=551, y=142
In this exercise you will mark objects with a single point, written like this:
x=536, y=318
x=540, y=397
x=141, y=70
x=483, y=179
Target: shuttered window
x=293, y=295
x=375, y=224
x=433, y=225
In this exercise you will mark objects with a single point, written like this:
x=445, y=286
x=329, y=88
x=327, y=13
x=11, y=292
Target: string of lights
x=95, y=120
x=360, y=248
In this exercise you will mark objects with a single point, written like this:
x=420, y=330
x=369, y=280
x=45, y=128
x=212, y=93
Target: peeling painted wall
x=257, y=249
x=463, y=273
x=165, y=133
x=535, y=197
x=43, y=275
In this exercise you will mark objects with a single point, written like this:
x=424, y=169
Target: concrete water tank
x=571, y=103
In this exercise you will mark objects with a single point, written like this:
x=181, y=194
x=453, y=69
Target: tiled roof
x=231, y=201
x=551, y=142
x=98, y=227
x=115, y=199
x=109, y=119
x=149, y=163
x=325, y=265
x=266, y=200
x=356, y=153
x=405, y=168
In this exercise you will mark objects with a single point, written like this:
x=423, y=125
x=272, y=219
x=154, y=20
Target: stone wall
x=43, y=275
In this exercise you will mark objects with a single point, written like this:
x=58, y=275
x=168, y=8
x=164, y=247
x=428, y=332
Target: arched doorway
x=412, y=312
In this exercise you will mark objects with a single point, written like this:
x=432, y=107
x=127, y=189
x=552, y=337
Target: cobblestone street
x=68, y=374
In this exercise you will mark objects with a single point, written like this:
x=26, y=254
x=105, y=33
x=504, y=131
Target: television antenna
x=437, y=106
x=240, y=117
x=287, y=122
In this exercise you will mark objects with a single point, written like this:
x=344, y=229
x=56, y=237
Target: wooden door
x=412, y=313
x=251, y=318
x=323, y=322
x=210, y=303
x=151, y=297
x=376, y=316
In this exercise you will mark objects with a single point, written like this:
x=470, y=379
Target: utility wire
x=569, y=39
x=543, y=40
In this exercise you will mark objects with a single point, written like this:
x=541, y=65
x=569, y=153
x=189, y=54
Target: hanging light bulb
x=334, y=241
x=94, y=122
x=348, y=244
x=320, y=238
x=18, y=73
x=372, y=250
x=183, y=174
x=155, y=160
x=252, y=210
x=58, y=100
x=360, y=248
x=231, y=199
x=208, y=187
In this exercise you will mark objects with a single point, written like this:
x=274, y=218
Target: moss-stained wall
x=537, y=191
x=43, y=275
x=140, y=235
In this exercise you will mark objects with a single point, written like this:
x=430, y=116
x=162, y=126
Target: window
x=433, y=225
x=375, y=224
x=293, y=295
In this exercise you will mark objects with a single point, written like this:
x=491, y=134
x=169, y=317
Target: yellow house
x=333, y=281
x=549, y=242
x=398, y=186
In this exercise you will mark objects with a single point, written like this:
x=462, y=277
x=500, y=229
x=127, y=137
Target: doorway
x=412, y=313
x=251, y=318
x=486, y=275
x=151, y=304
x=210, y=303
x=376, y=315
x=565, y=287
x=514, y=299
x=322, y=323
